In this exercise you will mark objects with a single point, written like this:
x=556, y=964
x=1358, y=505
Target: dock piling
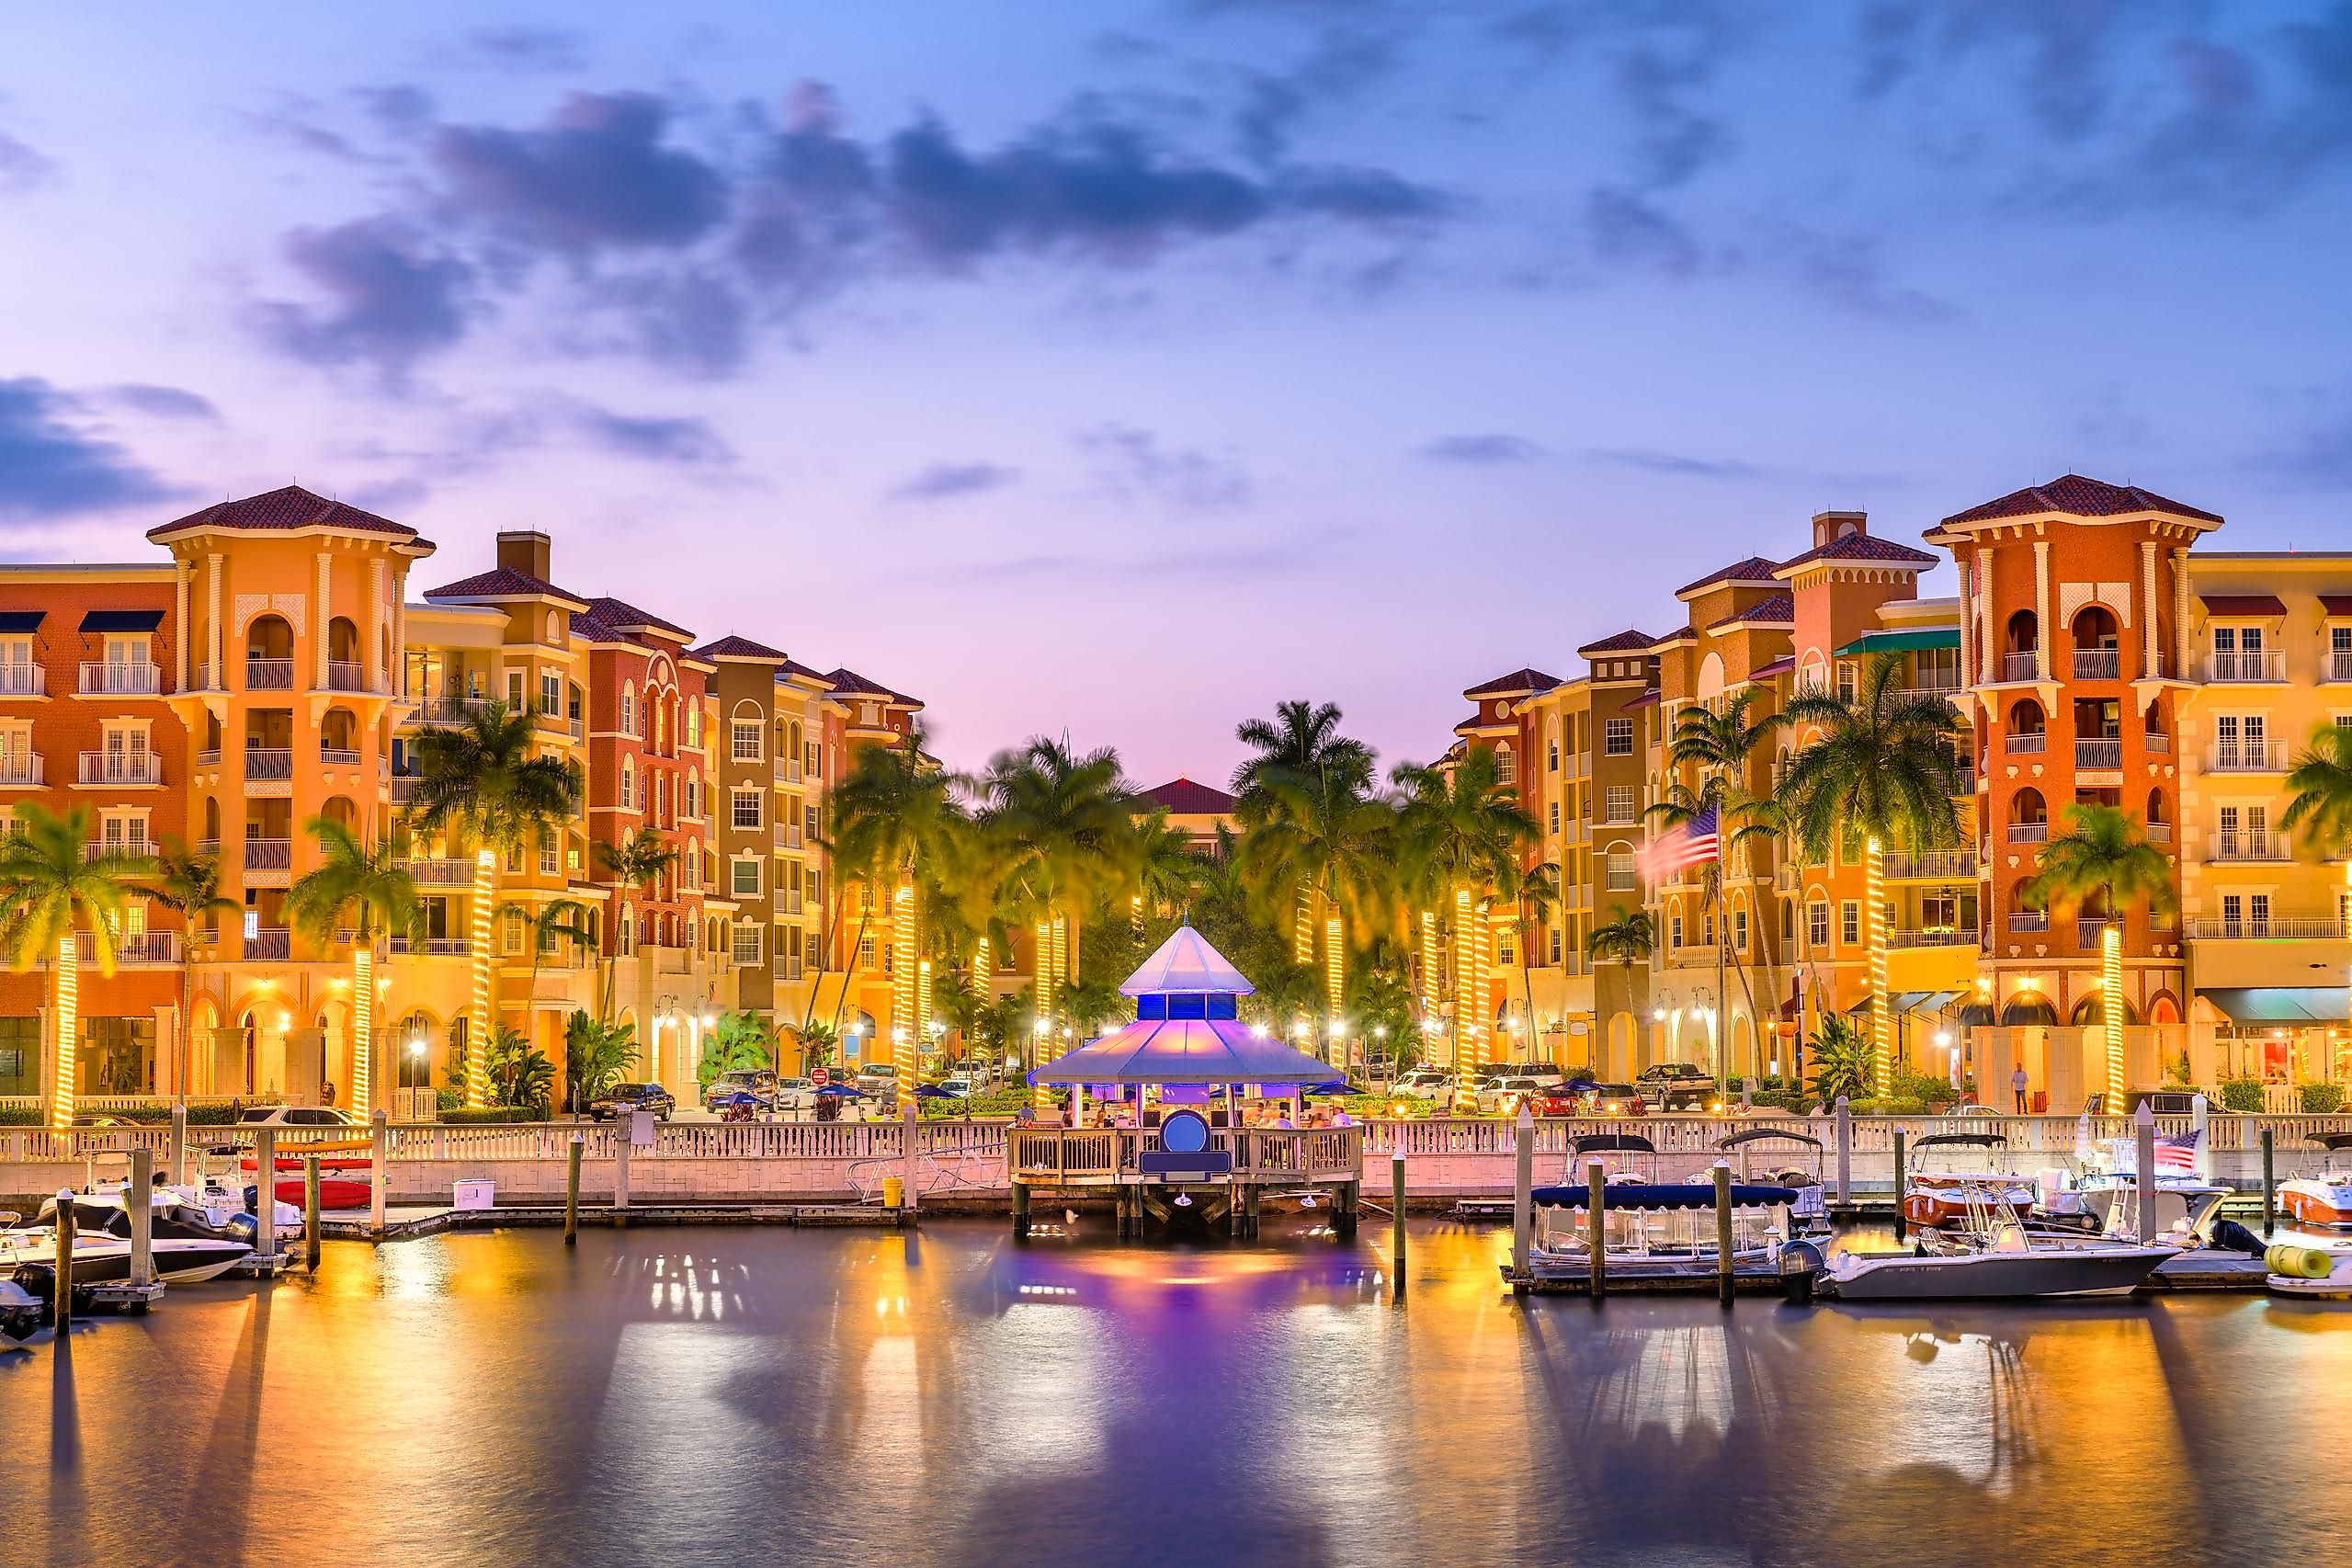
x=622, y=1134
x=1020, y=1210
x=914, y=1153
x=176, y=1161
x=1595, y=1200
x=379, y=1152
x=2269, y=1188
x=1522, y=1191
x=310, y=1212
x=2143, y=1131
x=573, y=1155
x=138, y=1204
x=1845, y=1152
x=1723, y=1254
x=264, y=1197
x=1396, y=1217
x=1898, y=1184
x=63, y=1312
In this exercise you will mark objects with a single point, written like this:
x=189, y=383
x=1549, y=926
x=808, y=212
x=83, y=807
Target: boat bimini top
x=1666, y=1194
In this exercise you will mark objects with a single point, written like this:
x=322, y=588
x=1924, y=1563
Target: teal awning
x=2281, y=1004
x=1901, y=642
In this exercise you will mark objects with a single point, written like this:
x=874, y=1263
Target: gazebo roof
x=1185, y=965
x=1186, y=1050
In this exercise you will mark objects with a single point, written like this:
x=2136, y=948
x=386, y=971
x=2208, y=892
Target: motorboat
x=2006, y=1262
x=1652, y=1230
x=339, y=1186
x=2322, y=1196
x=102, y=1247
x=22, y=1313
x=1792, y=1160
x=205, y=1207
x=1942, y=1198
x=2105, y=1197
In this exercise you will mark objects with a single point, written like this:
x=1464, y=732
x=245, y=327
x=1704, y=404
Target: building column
x=2149, y=669
x=2041, y=609
x=215, y=632
x=376, y=628
x=1988, y=643
x=179, y=619
x=399, y=634
x=1967, y=627
x=2181, y=614
x=318, y=624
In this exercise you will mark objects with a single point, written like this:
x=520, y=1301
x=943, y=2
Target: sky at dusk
x=1124, y=368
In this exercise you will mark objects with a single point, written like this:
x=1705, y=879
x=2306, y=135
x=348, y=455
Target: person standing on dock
x=2017, y=1087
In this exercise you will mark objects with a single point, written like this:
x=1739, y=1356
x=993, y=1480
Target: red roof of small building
x=502, y=583
x=1779, y=666
x=1860, y=547
x=2243, y=604
x=739, y=648
x=1780, y=609
x=286, y=508
x=1647, y=700
x=791, y=668
x=849, y=680
x=1182, y=797
x=2336, y=604
x=2076, y=497
x=1518, y=680
x=1627, y=642
x=623, y=616
x=1755, y=569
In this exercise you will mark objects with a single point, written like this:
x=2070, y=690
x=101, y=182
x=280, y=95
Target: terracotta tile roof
x=2336, y=604
x=1679, y=634
x=2243, y=604
x=501, y=583
x=1860, y=547
x=587, y=624
x=1183, y=797
x=1780, y=609
x=1518, y=680
x=738, y=648
x=792, y=668
x=2078, y=497
x=1627, y=642
x=627, y=617
x=1779, y=666
x=287, y=508
x=1647, y=700
x=849, y=680
x=1755, y=569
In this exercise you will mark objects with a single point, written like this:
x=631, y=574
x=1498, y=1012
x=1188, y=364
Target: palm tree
x=1461, y=834
x=1326, y=846
x=189, y=884
x=50, y=880
x=2321, y=783
x=1879, y=768
x=633, y=865
x=1300, y=744
x=594, y=1056
x=739, y=1041
x=1060, y=845
x=1629, y=938
x=896, y=826
x=557, y=920
x=2103, y=864
x=353, y=887
x=1168, y=871
x=479, y=786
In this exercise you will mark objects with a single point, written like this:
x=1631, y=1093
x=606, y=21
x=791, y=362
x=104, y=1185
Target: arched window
x=2028, y=817
x=2157, y=815
x=1507, y=764
x=338, y=736
x=343, y=646
x=1551, y=746
x=2023, y=642
x=2098, y=652
x=339, y=811
x=627, y=787
x=2029, y=733
x=269, y=654
x=628, y=931
x=629, y=708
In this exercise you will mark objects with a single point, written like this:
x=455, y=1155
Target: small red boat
x=334, y=1192
x=1943, y=1198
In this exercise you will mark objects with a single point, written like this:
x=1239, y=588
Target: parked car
x=1425, y=1083
x=1615, y=1099
x=795, y=1094
x=299, y=1116
x=1677, y=1086
x=1504, y=1095
x=963, y=1088
x=1558, y=1099
x=757, y=1082
x=632, y=1098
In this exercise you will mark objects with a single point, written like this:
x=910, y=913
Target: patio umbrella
x=933, y=1092
x=842, y=1091
x=1580, y=1085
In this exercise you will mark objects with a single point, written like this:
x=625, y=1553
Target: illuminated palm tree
x=1300, y=744
x=1879, y=768
x=2103, y=863
x=1629, y=938
x=898, y=833
x=354, y=886
x=189, y=884
x=633, y=865
x=53, y=878
x=1060, y=845
x=2321, y=785
x=1460, y=836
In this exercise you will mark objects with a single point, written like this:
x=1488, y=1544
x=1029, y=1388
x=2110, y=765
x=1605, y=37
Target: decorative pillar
x=2150, y=669
x=215, y=633
x=372, y=655
x=1988, y=641
x=1967, y=627
x=400, y=632
x=318, y=625
x=179, y=624
x=2041, y=609
x=2181, y=614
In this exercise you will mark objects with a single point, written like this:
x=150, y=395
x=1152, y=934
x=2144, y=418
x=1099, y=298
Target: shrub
x=2242, y=1093
x=446, y=1099
x=22, y=1116
x=2323, y=1099
x=1926, y=1090
x=1894, y=1104
x=496, y=1113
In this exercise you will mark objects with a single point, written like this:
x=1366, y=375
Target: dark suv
x=632, y=1097
x=1677, y=1086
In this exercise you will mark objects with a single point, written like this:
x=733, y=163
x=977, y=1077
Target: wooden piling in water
x=1845, y=1152
x=1595, y=1200
x=63, y=1314
x=1396, y=1215
x=2269, y=1189
x=573, y=1155
x=138, y=1204
x=1898, y=1185
x=265, y=1196
x=175, y=1164
x=378, y=1174
x=310, y=1212
x=1020, y=1210
x=1724, y=1232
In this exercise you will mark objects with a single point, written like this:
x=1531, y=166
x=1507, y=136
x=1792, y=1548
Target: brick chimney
x=526, y=551
x=1827, y=525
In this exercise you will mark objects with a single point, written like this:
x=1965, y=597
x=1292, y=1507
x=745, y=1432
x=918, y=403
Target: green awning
x=1901, y=642
x=2281, y=1004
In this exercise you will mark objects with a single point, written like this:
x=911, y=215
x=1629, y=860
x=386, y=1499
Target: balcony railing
x=268, y=854
x=137, y=948
x=2160, y=833
x=403, y=786
x=269, y=762
x=2100, y=751
x=2028, y=743
x=2296, y=928
x=107, y=678
x=2029, y=920
x=338, y=756
x=122, y=768
x=23, y=681
x=1933, y=864
x=2249, y=847
x=2020, y=666
x=2157, y=745
x=2339, y=665
x=2097, y=663
x=441, y=873
x=430, y=946
x=343, y=675
x=20, y=769
x=2249, y=757
x=1936, y=937
x=2090, y=930
x=2241, y=667
x=269, y=675
x=2030, y=833
x=269, y=944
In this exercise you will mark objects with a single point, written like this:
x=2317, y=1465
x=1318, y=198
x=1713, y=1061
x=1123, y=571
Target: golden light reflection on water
x=950, y=1396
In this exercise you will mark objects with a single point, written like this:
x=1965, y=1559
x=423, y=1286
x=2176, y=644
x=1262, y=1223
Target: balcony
x=2267, y=928
x=2031, y=920
x=269, y=762
x=139, y=947
x=2090, y=930
x=441, y=873
x=2248, y=756
x=269, y=854
x=20, y=770
x=122, y=768
x=267, y=944
x=2339, y=665
x=2100, y=751
x=106, y=678
x=2157, y=745
x=2160, y=833
x=2020, y=666
x=2097, y=663
x=1933, y=864
x=269, y=675
x=338, y=756
x=788, y=772
x=1932, y=937
x=2030, y=743
x=2250, y=848
x=342, y=675
x=2243, y=668
x=23, y=681
x=431, y=947
x=403, y=786
x=2029, y=832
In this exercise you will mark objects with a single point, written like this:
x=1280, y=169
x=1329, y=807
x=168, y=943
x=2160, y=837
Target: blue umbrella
x=933, y=1092
x=842, y=1091
x=1334, y=1087
x=1580, y=1085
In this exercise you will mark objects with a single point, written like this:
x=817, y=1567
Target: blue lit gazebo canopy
x=1187, y=1029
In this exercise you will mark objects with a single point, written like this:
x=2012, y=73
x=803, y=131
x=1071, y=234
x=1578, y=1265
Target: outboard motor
x=22, y=1313
x=2231, y=1236
x=1801, y=1262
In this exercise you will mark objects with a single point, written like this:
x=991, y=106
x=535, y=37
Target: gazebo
x=1188, y=1042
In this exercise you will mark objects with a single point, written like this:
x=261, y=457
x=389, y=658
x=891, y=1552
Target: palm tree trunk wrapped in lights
x=905, y=1023
x=1874, y=892
x=363, y=1027
x=479, y=1017
x=68, y=1031
x=2111, y=1010
x=55, y=876
x=2101, y=856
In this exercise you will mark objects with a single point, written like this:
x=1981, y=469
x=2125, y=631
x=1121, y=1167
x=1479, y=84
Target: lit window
x=747, y=942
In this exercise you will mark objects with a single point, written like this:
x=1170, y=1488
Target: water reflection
x=956, y=1398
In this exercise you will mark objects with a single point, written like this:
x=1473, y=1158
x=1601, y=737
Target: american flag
x=2176, y=1153
x=1686, y=844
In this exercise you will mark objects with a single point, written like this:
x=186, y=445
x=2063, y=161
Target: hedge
x=2323, y=1099
x=2242, y=1093
x=493, y=1114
